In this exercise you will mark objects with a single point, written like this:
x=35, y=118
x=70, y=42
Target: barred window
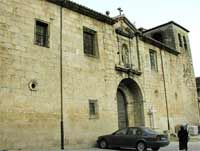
x=153, y=59
x=93, y=109
x=89, y=41
x=41, y=34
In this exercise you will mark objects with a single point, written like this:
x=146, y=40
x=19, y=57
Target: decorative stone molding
x=127, y=70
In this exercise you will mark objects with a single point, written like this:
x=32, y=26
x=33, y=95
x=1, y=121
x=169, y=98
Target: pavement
x=191, y=139
x=173, y=146
x=193, y=145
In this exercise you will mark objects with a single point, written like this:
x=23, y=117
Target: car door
x=118, y=139
x=133, y=135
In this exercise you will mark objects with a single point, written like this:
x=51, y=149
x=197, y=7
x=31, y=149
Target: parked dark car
x=140, y=138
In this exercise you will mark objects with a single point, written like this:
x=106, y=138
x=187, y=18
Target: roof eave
x=171, y=22
x=159, y=44
x=83, y=10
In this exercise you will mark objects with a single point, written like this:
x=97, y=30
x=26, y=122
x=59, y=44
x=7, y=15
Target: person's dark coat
x=183, y=138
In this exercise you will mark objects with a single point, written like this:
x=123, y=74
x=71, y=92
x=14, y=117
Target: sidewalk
x=57, y=149
x=192, y=138
x=195, y=138
x=90, y=149
x=193, y=142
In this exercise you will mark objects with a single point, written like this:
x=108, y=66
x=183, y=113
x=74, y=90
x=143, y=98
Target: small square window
x=153, y=59
x=89, y=41
x=93, y=109
x=41, y=34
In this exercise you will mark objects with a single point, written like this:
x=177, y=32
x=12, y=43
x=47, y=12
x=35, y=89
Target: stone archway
x=129, y=104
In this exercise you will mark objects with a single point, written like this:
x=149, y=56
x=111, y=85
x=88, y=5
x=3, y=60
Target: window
x=121, y=132
x=185, y=42
x=33, y=85
x=41, y=34
x=93, y=109
x=180, y=40
x=198, y=92
x=153, y=59
x=89, y=41
x=134, y=131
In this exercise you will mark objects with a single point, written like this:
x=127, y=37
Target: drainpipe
x=130, y=55
x=165, y=90
x=61, y=79
x=138, y=51
x=198, y=102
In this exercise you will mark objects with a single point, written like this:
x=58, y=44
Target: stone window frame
x=93, y=112
x=154, y=66
x=180, y=40
x=93, y=34
x=47, y=36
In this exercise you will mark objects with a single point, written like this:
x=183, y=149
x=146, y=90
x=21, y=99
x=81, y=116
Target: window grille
x=89, y=41
x=41, y=34
x=93, y=109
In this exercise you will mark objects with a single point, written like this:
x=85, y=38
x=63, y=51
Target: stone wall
x=31, y=119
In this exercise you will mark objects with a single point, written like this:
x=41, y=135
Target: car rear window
x=149, y=131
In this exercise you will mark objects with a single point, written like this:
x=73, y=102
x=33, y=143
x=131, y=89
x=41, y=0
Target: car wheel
x=141, y=146
x=155, y=148
x=103, y=144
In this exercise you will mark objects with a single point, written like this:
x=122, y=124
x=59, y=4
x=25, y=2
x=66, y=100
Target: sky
x=151, y=13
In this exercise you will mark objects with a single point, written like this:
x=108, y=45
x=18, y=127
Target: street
x=192, y=146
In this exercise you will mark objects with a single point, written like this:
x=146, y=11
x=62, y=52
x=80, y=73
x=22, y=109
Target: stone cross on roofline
x=120, y=11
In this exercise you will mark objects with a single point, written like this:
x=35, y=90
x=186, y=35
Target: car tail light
x=158, y=138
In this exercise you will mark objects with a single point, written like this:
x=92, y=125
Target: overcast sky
x=150, y=13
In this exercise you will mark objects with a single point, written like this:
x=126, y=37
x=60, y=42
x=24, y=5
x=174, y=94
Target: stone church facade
x=61, y=62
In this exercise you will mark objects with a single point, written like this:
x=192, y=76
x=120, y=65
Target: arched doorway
x=129, y=104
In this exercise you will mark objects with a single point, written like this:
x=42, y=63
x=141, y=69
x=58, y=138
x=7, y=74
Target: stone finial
x=107, y=13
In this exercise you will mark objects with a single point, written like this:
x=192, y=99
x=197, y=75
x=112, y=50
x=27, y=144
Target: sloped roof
x=111, y=21
x=83, y=10
x=159, y=44
x=171, y=22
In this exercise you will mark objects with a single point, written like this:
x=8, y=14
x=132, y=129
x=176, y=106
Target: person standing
x=183, y=139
